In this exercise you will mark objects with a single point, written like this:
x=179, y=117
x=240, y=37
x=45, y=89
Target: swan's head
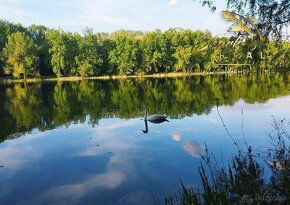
x=145, y=131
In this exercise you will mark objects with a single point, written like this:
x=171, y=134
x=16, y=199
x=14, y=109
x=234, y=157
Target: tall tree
x=57, y=50
x=63, y=50
x=125, y=54
x=89, y=60
x=154, y=51
x=6, y=29
x=184, y=59
x=107, y=45
x=173, y=39
x=20, y=55
x=38, y=34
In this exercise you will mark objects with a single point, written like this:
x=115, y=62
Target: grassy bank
x=9, y=80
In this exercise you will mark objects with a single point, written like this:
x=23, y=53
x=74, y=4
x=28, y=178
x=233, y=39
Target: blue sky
x=111, y=15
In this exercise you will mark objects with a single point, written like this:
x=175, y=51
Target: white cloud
x=73, y=192
x=173, y=2
x=14, y=157
x=119, y=170
x=105, y=136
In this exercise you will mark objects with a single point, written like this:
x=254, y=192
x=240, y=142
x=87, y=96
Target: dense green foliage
x=25, y=106
x=38, y=51
x=20, y=55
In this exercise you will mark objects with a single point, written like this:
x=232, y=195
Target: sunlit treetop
x=273, y=15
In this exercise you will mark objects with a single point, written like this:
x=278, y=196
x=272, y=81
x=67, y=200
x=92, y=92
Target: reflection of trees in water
x=24, y=100
x=48, y=105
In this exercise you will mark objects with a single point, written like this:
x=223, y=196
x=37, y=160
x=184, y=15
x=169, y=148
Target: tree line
x=39, y=51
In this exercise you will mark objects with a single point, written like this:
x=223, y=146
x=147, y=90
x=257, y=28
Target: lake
x=82, y=142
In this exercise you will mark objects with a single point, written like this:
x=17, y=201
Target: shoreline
x=9, y=80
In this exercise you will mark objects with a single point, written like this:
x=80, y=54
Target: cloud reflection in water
x=193, y=148
x=176, y=136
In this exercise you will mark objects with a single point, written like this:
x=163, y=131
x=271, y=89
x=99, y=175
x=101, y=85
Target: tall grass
x=242, y=181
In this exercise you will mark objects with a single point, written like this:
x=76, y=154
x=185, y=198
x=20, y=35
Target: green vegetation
x=20, y=55
x=38, y=51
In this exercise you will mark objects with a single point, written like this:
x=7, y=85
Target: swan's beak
x=145, y=131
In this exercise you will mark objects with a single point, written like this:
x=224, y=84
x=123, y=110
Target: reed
x=242, y=181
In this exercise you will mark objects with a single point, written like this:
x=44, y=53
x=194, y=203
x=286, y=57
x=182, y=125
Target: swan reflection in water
x=156, y=119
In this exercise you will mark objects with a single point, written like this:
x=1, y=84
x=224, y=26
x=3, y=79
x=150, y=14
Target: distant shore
x=8, y=80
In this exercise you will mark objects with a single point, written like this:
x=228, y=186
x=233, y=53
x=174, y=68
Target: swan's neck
x=146, y=127
x=145, y=116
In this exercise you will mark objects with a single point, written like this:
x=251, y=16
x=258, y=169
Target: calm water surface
x=82, y=142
